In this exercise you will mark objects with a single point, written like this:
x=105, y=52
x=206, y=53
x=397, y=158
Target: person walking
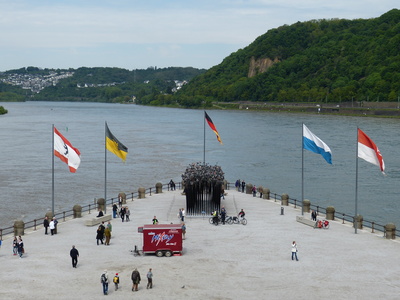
x=20, y=247
x=183, y=231
x=100, y=234
x=104, y=282
x=127, y=213
x=149, y=279
x=115, y=210
x=243, y=186
x=135, y=280
x=223, y=214
x=46, y=224
x=52, y=227
x=122, y=212
x=116, y=281
x=294, y=250
x=107, y=234
x=74, y=253
x=15, y=246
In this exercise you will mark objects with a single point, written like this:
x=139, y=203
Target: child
x=116, y=281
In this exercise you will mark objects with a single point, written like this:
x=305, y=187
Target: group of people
x=50, y=224
x=240, y=185
x=123, y=212
x=18, y=246
x=222, y=213
x=135, y=277
x=104, y=232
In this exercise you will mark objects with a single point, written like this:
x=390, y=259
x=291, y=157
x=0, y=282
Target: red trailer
x=162, y=239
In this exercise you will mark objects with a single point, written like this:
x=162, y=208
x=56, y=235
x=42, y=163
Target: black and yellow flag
x=115, y=146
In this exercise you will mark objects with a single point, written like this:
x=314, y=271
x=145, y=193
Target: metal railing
x=86, y=208
x=273, y=196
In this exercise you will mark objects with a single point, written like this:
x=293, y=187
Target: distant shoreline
x=357, y=109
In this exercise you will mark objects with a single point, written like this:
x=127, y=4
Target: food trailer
x=162, y=239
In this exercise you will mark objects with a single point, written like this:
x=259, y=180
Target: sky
x=133, y=34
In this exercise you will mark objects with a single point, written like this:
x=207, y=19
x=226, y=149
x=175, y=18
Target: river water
x=262, y=148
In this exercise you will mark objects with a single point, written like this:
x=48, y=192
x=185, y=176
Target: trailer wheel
x=168, y=253
x=159, y=253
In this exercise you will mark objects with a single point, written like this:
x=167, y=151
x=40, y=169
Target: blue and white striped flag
x=314, y=144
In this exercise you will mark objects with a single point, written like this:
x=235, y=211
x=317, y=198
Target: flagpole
x=105, y=168
x=356, y=198
x=52, y=173
x=302, y=171
x=204, y=139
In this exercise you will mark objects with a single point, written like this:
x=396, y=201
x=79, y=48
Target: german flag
x=212, y=126
x=115, y=146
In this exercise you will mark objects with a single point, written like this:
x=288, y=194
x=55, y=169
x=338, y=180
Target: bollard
x=19, y=227
x=390, y=230
x=285, y=199
x=359, y=220
x=141, y=193
x=249, y=188
x=330, y=213
x=158, y=188
x=101, y=204
x=282, y=211
x=266, y=193
x=77, y=211
x=306, y=205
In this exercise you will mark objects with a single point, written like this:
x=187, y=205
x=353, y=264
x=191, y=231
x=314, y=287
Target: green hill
x=320, y=60
x=91, y=84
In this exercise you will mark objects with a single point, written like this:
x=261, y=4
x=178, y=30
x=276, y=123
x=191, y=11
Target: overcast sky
x=135, y=34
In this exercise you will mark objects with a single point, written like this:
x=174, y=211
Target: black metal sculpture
x=202, y=186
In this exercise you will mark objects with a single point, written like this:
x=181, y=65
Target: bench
x=305, y=221
x=96, y=221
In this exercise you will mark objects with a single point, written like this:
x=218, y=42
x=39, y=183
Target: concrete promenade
x=219, y=262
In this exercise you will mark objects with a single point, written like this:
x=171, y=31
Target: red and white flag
x=368, y=151
x=64, y=150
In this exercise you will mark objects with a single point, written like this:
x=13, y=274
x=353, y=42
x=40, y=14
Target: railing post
x=132, y=196
x=64, y=216
x=295, y=203
x=343, y=219
x=89, y=209
x=150, y=191
x=34, y=225
x=372, y=226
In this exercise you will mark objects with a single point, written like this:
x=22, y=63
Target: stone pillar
x=77, y=209
x=306, y=205
x=390, y=230
x=101, y=204
x=266, y=193
x=359, y=219
x=249, y=188
x=19, y=227
x=49, y=215
x=123, y=196
x=285, y=200
x=141, y=193
x=260, y=189
x=158, y=188
x=330, y=213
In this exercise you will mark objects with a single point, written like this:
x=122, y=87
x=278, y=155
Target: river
x=262, y=148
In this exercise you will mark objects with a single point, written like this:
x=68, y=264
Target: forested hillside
x=320, y=60
x=91, y=84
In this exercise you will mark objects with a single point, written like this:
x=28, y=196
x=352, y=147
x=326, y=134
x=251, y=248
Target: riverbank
x=356, y=109
x=218, y=262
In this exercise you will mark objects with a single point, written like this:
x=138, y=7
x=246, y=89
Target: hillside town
x=35, y=82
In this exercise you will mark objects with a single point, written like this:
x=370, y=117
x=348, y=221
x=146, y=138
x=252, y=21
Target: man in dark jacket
x=135, y=280
x=46, y=224
x=74, y=255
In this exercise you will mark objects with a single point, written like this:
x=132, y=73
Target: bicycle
x=236, y=220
